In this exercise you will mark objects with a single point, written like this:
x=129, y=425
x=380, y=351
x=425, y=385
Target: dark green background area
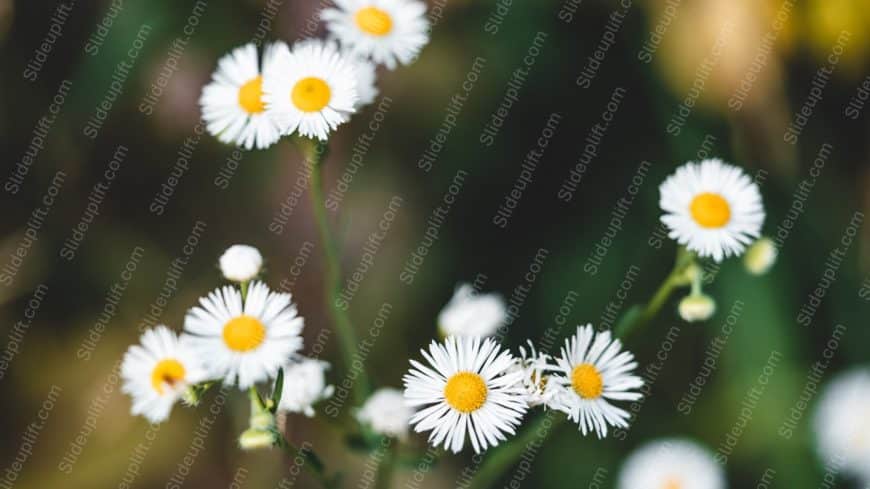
x=469, y=243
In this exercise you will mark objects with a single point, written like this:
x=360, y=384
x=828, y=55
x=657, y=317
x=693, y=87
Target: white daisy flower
x=591, y=373
x=712, y=208
x=387, y=31
x=842, y=422
x=157, y=372
x=471, y=314
x=232, y=104
x=366, y=76
x=671, y=464
x=534, y=380
x=468, y=387
x=386, y=413
x=247, y=341
x=304, y=386
x=310, y=89
x=241, y=263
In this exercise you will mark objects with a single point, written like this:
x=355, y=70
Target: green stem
x=311, y=462
x=635, y=318
x=314, y=154
x=495, y=466
x=385, y=468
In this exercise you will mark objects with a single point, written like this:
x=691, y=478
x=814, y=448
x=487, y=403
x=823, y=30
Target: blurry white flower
x=157, y=373
x=310, y=89
x=696, y=307
x=592, y=372
x=241, y=263
x=366, y=76
x=842, y=422
x=387, y=413
x=232, y=104
x=247, y=341
x=472, y=314
x=466, y=388
x=534, y=380
x=387, y=31
x=304, y=386
x=671, y=464
x=760, y=257
x=712, y=208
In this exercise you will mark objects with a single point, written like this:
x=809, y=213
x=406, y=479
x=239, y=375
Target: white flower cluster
x=470, y=387
x=236, y=335
x=315, y=85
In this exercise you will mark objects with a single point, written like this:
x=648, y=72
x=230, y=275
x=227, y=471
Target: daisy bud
x=472, y=314
x=241, y=263
x=760, y=256
x=255, y=439
x=697, y=307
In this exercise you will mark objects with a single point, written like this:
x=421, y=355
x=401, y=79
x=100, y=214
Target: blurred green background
x=240, y=203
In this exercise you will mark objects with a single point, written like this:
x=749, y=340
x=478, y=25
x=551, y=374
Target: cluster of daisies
x=470, y=387
x=313, y=86
x=239, y=335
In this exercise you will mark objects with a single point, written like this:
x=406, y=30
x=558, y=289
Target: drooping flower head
x=535, y=379
x=712, y=208
x=304, y=386
x=158, y=371
x=232, y=104
x=671, y=464
x=386, y=413
x=467, y=388
x=245, y=341
x=388, y=32
x=471, y=314
x=592, y=373
x=309, y=89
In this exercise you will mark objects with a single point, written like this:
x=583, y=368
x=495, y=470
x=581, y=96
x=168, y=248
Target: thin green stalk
x=314, y=154
x=386, y=467
x=312, y=462
x=637, y=317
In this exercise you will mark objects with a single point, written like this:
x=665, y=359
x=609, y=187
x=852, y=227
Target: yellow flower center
x=374, y=21
x=244, y=333
x=251, y=96
x=465, y=392
x=167, y=371
x=672, y=483
x=710, y=210
x=587, y=382
x=311, y=94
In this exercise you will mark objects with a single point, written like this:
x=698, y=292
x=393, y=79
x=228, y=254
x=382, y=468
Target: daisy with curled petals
x=232, y=104
x=590, y=374
x=671, y=464
x=386, y=31
x=712, y=208
x=468, y=387
x=157, y=372
x=310, y=89
x=535, y=366
x=245, y=340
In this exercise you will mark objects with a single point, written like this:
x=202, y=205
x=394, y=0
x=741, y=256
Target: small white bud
x=760, y=256
x=472, y=314
x=241, y=263
x=697, y=307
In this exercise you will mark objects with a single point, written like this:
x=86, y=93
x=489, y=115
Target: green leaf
x=277, y=390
